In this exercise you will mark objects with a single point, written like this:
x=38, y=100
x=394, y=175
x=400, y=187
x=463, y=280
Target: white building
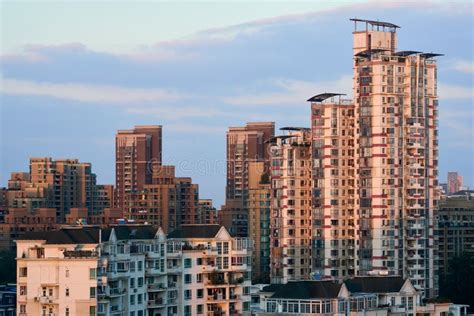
x=133, y=271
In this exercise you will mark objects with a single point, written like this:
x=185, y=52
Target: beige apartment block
x=334, y=137
x=290, y=209
x=396, y=100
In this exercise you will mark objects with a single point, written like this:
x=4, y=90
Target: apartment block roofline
x=290, y=128
x=374, y=23
x=323, y=96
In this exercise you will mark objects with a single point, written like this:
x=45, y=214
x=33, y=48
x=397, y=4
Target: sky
x=73, y=73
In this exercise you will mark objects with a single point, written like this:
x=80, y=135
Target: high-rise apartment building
x=396, y=101
x=137, y=152
x=290, y=209
x=259, y=221
x=374, y=169
x=244, y=145
x=335, y=186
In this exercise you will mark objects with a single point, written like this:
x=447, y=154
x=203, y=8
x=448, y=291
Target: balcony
x=156, y=287
x=154, y=271
x=117, y=291
x=44, y=299
x=157, y=303
x=174, y=269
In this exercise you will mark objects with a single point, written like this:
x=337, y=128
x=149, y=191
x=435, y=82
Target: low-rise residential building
x=389, y=295
x=133, y=270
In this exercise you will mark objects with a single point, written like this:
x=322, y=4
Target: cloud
x=449, y=91
x=464, y=66
x=293, y=91
x=172, y=113
x=86, y=93
x=197, y=128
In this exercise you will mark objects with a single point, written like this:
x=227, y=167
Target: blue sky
x=72, y=74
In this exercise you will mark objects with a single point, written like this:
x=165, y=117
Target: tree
x=7, y=266
x=458, y=283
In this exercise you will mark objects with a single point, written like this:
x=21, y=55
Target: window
x=188, y=278
x=92, y=293
x=92, y=310
x=246, y=306
x=187, y=263
x=67, y=291
x=140, y=299
x=199, y=278
x=132, y=283
x=23, y=272
x=187, y=294
x=200, y=293
x=140, y=282
x=199, y=309
x=187, y=310
x=50, y=292
x=226, y=248
x=67, y=311
x=23, y=290
x=140, y=265
x=132, y=266
x=199, y=261
x=23, y=309
x=92, y=273
x=246, y=290
x=132, y=299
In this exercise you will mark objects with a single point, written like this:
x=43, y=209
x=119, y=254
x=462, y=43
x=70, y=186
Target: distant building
x=43, y=198
x=137, y=152
x=454, y=182
x=134, y=270
x=206, y=213
x=244, y=145
x=455, y=231
x=259, y=221
x=168, y=201
x=8, y=300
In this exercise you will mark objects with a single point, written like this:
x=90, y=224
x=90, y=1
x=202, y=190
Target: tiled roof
x=69, y=235
x=90, y=235
x=195, y=231
x=379, y=284
x=307, y=290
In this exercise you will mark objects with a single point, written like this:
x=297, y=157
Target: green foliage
x=7, y=266
x=458, y=284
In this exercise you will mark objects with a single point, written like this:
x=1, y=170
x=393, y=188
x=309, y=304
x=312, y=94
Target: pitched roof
x=376, y=284
x=195, y=231
x=69, y=235
x=307, y=290
x=130, y=232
